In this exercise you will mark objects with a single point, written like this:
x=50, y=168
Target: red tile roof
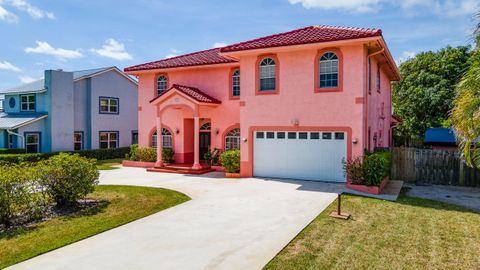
x=307, y=35
x=207, y=57
x=193, y=93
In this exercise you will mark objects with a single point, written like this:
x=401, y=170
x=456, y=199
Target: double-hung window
x=108, y=139
x=27, y=103
x=32, y=142
x=78, y=140
x=109, y=105
x=236, y=83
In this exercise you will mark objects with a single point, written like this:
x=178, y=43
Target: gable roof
x=440, y=136
x=206, y=57
x=191, y=92
x=306, y=35
x=39, y=85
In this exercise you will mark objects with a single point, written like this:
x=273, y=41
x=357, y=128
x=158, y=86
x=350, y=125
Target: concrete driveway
x=228, y=224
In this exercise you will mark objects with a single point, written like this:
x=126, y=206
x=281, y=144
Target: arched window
x=267, y=74
x=236, y=83
x=232, y=139
x=206, y=127
x=328, y=70
x=166, y=137
x=162, y=84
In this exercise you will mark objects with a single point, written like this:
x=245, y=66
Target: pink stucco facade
x=297, y=103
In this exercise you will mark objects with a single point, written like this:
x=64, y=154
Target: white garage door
x=300, y=155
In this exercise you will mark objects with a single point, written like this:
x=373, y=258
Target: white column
x=196, y=144
x=159, y=162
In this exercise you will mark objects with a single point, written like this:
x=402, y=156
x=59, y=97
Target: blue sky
x=78, y=34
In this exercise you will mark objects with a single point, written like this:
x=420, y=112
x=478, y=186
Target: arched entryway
x=205, y=139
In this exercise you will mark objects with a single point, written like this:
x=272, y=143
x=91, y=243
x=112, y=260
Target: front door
x=204, y=143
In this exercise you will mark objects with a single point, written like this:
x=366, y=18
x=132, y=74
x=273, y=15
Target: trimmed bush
x=168, y=156
x=132, y=155
x=147, y=154
x=12, y=151
x=99, y=154
x=68, y=177
x=370, y=169
x=20, y=194
x=230, y=160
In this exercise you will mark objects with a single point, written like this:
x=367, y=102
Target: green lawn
x=109, y=164
x=119, y=205
x=408, y=234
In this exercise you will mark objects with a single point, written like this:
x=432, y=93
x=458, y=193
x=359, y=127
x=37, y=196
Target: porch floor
x=182, y=168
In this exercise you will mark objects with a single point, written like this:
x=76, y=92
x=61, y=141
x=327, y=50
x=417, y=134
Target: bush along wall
x=370, y=169
x=99, y=154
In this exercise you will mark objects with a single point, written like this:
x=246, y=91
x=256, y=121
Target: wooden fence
x=425, y=166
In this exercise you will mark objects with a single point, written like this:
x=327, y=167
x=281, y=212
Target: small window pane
x=292, y=135
x=302, y=135
x=270, y=135
x=339, y=135
x=314, y=135
x=280, y=135
x=327, y=135
x=260, y=135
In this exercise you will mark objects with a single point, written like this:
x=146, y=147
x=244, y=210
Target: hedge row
x=12, y=151
x=99, y=154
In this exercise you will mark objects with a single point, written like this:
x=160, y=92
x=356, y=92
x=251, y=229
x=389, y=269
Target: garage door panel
x=309, y=159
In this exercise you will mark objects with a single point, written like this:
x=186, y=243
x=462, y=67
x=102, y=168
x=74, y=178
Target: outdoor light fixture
x=244, y=139
x=295, y=122
x=354, y=141
x=217, y=131
x=177, y=131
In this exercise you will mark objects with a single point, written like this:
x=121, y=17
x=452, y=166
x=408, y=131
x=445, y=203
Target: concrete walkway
x=228, y=224
x=467, y=197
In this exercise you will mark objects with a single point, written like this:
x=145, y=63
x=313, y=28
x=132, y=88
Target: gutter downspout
x=367, y=94
x=18, y=135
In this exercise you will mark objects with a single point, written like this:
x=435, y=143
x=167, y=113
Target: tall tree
x=466, y=111
x=424, y=96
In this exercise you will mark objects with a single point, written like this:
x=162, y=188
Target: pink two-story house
x=296, y=104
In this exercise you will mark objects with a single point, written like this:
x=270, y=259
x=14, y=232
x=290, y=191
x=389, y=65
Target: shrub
x=68, y=177
x=168, y=156
x=230, y=160
x=99, y=154
x=132, y=155
x=370, y=169
x=146, y=154
x=20, y=194
x=12, y=151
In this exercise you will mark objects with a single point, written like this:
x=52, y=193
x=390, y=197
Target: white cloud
x=26, y=79
x=7, y=16
x=113, y=49
x=219, y=44
x=449, y=8
x=173, y=53
x=405, y=56
x=9, y=66
x=33, y=11
x=348, y=5
x=44, y=48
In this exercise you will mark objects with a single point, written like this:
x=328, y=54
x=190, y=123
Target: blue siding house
x=66, y=111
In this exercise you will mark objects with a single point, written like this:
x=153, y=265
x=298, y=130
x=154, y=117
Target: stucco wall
x=112, y=84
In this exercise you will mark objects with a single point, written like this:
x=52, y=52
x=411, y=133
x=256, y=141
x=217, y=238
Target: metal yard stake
x=338, y=213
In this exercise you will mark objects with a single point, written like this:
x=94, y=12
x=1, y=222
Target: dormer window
x=162, y=84
x=27, y=103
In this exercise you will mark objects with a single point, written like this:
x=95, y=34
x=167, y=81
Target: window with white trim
x=206, y=127
x=162, y=84
x=32, y=142
x=232, y=139
x=328, y=70
x=27, y=103
x=236, y=83
x=78, y=141
x=109, y=105
x=108, y=139
x=166, y=139
x=267, y=74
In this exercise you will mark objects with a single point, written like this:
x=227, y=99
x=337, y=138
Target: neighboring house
x=296, y=104
x=65, y=111
x=441, y=139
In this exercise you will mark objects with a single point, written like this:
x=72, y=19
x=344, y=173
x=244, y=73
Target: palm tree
x=466, y=109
